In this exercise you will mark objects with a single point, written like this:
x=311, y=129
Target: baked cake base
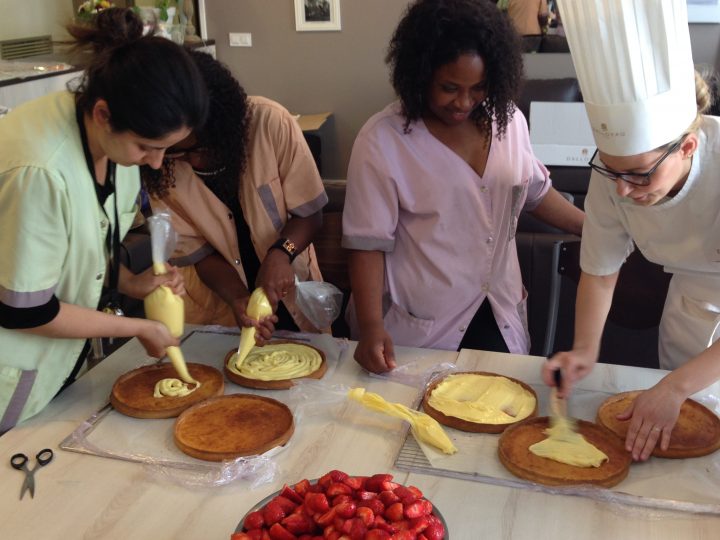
x=231, y=426
x=514, y=453
x=132, y=393
x=696, y=433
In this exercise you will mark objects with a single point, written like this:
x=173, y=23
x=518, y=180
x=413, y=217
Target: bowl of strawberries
x=338, y=506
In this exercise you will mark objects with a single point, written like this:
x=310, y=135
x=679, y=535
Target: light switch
x=240, y=39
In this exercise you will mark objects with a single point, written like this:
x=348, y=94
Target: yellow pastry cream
x=565, y=445
x=483, y=399
x=277, y=361
x=173, y=388
x=168, y=308
x=424, y=427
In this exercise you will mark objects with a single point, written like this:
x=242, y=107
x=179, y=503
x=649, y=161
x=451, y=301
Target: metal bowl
x=270, y=497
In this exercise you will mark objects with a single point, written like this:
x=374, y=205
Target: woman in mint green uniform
x=68, y=185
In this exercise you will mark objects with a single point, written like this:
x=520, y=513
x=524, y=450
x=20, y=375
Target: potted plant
x=87, y=10
x=166, y=10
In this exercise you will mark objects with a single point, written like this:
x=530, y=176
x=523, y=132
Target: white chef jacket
x=681, y=233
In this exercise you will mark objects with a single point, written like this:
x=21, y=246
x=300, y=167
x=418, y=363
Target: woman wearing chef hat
x=654, y=183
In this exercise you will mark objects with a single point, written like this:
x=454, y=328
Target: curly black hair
x=433, y=33
x=225, y=133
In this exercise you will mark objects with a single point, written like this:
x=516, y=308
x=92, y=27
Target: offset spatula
x=558, y=405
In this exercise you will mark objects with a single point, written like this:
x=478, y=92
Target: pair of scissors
x=20, y=462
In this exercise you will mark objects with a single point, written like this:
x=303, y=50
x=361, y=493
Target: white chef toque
x=634, y=65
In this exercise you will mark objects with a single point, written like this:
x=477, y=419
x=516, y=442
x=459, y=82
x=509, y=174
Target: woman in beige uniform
x=246, y=199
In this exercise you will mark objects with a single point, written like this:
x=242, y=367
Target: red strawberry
x=394, y=512
x=404, y=493
x=416, y=491
x=418, y=525
x=404, y=535
x=342, y=525
x=255, y=534
x=336, y=488
x=377, y=534
x=381, y=523
x=338, y=476
x=286, y=504
x=291, y=494
x=375, y=505
x=346, y=509
x=366, y=515
x=374, y=483
x=239, y=536
x=278, y=532
x=388, y=485
x=358, y=530
x=325, y=480
x=302, y=487
x=317, y=502
x=355, y=482
x=388, y=497
x=326, y=519
x=299, y=524
x=254, y=520
x=272, y=513
x=341, y=499
x=366, y=495
x=435, y=531
x=415, y=510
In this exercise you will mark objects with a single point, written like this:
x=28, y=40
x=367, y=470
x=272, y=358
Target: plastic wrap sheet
x=685, y=485
x=110, y=434
x=416, y=373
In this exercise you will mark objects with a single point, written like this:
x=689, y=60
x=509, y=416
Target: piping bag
x=257, y=308
x=424, y=427
x=162, y=304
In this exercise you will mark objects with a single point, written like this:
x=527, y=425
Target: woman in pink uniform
x=436, y=183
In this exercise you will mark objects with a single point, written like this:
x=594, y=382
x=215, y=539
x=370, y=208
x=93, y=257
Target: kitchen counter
x=82, y=496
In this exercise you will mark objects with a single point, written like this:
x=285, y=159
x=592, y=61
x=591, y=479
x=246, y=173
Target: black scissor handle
x=44, y=456
x=18, y=461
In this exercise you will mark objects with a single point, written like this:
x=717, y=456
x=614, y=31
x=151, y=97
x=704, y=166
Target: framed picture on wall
x=317, y=15
x=703, y=11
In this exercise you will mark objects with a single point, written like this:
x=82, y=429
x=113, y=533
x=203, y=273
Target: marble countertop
x=85, y=496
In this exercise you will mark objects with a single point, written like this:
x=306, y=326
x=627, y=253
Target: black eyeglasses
x=638, y=179
x=175, y=153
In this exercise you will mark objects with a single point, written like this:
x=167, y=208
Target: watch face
x=289, y=246
x=113, y=310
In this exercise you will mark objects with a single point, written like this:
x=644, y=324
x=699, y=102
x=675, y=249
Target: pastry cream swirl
x=567, y=446
x=484, y=399
x=173, y=388
x=277, y=361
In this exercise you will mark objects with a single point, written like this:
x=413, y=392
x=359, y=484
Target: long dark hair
x=433, y=33
x=151, y=85
x=224, y=134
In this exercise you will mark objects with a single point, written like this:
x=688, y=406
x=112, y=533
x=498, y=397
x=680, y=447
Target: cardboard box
x=560, y=133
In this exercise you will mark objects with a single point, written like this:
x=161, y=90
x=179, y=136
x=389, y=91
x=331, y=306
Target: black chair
x=631, y=332
x=539, y=246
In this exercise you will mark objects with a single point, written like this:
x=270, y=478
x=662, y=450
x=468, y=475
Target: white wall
x=27, y=18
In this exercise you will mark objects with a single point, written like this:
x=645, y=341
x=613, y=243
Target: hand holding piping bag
x=258, y=307
x=162, y=304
